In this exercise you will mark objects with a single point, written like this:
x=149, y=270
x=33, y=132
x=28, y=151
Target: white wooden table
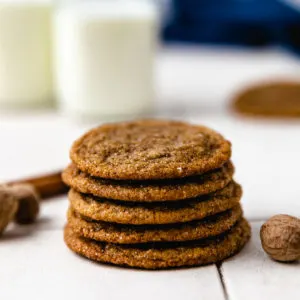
x=192, y=85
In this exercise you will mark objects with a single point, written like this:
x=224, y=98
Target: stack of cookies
x=154, y=194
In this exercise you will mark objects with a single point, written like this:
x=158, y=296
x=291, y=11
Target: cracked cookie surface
x=149, y=149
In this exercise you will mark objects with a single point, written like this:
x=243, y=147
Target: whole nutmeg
x=280, y=238
x=28, y=203
x=8, y=208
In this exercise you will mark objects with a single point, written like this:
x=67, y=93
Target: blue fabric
x=239, y=22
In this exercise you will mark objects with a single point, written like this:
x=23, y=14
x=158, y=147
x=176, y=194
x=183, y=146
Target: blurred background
x=116, y=59
x=68, y=65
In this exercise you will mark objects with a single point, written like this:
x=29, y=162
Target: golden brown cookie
x=149, y=149
x=132, y=234
x=163, y=255
x=277, y=99
x=149, y=191
x=158, y=212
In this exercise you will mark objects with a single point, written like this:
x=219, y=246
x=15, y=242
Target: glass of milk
x=104, y=56
x=25, y=53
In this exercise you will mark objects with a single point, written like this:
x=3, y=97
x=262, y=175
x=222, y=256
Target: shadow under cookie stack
x=154, y=194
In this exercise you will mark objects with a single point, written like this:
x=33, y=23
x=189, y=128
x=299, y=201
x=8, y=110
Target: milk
x=25, y=53
x=104, y=52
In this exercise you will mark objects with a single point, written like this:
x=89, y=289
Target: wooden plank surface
x=37, y=265
x=253, y=275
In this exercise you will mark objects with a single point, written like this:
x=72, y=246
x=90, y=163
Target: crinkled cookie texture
x=149, y=191
x=132, y=234
x=161, y=256
x=149, y=149
x=158, y=212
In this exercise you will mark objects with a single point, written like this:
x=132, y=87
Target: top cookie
x=149, y=149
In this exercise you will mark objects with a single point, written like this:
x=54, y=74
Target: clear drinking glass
x=25, y=53
x=104, y=57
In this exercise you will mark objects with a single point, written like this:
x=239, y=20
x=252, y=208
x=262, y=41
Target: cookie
x=158, y=212
x=149, y=149
x=132, y=234
x=277, y=99
x=162, y=255
x=149, y=191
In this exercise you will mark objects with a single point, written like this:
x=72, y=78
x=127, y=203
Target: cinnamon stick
x=48, y=185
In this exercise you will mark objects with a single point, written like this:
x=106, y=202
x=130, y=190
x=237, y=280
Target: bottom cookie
x=162, y=255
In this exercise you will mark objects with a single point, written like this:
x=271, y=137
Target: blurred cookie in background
x=278, y=99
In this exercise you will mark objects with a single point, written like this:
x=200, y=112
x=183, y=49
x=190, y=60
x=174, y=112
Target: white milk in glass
x=25, y=53
x=104, y=53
